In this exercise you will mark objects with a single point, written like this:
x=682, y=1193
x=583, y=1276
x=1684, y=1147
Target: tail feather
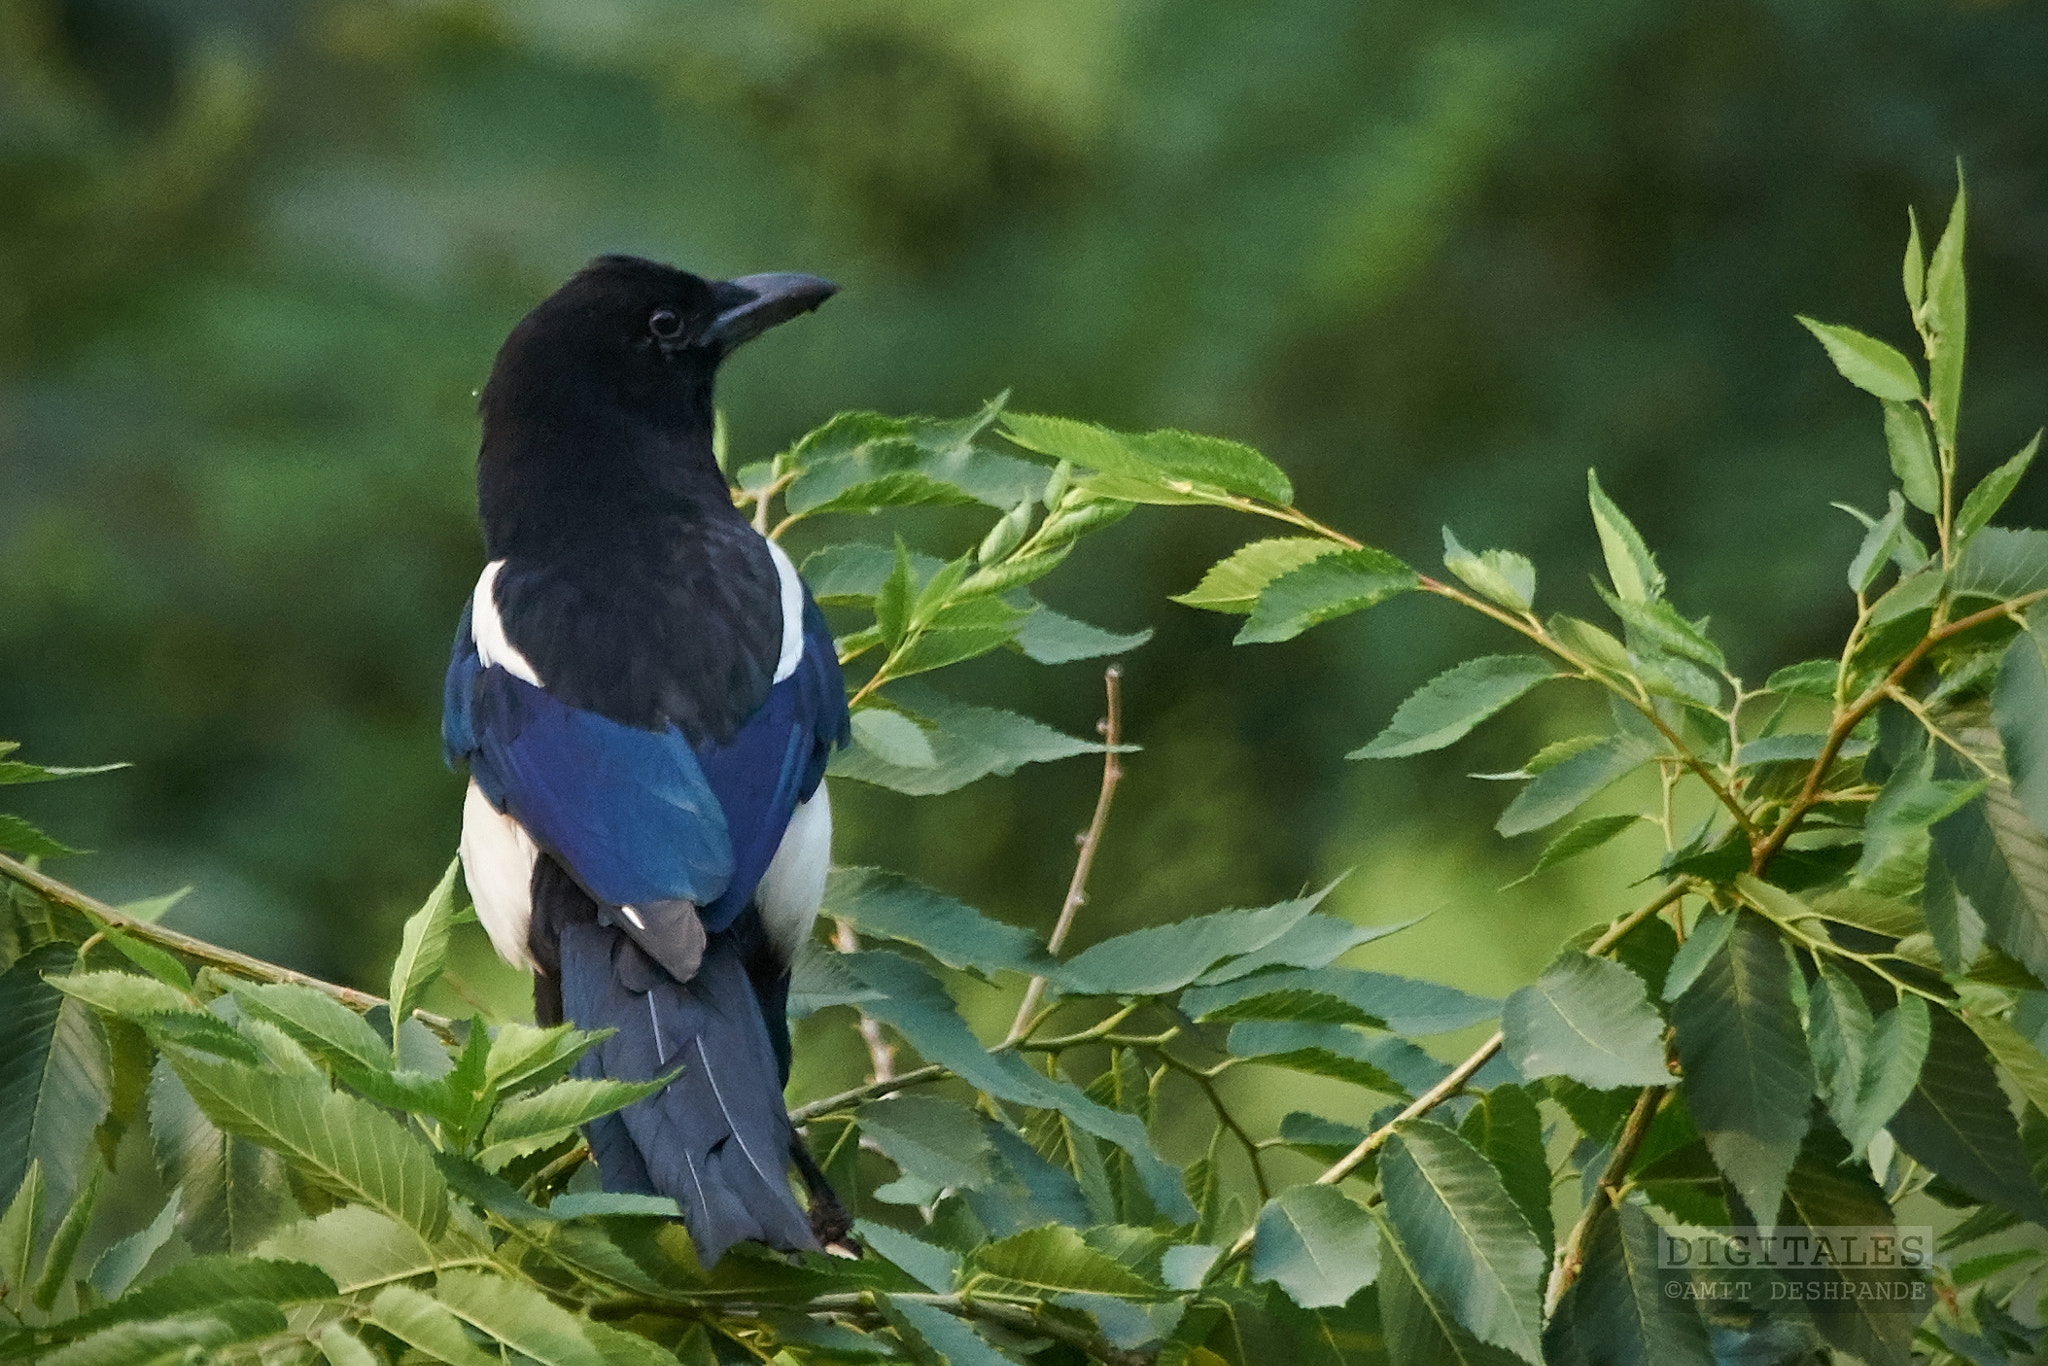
x=717, y=1140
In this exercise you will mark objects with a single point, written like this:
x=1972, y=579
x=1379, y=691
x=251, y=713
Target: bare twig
x=227, y=960
x=1571, y=1258
x=881, y=1053
x=1112, y=731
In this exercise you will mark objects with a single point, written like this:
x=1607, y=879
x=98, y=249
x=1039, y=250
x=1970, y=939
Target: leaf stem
x=1572, y=1256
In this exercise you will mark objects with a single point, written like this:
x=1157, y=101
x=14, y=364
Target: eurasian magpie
x=646, y=695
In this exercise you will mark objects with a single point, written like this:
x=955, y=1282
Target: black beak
x=752, y=304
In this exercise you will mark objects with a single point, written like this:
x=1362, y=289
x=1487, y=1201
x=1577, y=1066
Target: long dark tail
x=717, y=1140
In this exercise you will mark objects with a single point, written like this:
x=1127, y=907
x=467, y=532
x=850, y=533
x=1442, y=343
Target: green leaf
x=1999, y=860
x=1170, y=458
x=1499, y=576
x=1828, y=1190
x=1989, y=496
x=1233, y=584
x=2000, y=563
x=206, y=1281
x=63, y=1246
x=23, y=840
x=1315, y=941
x=424, y=948
x=1958, y=1124
x=1895, y=840
x=961, y=630
x=1616, y=1311
x=1507, y=1128
x=1813, y=678
x=1891, y=1066
x=862, y=462
x=917, y=1007
x=2019, y=706
x=1333, y=995
x=893, y=738
x=1467, y=1243
x=1445, y=709
x=317, y=1020
x=116, y=1268
x=968, y=742
x=1048, y=637
x=1586, y=836
x=424, y=1323
x=566, y=1105
x=233, y=1190
x=888, y=905
x=1914, y=271
x=19, y=1229
x=13, y=771
x=1589, y=1019
x=1912, y=453
x=1327, y=587
x=55, y=1080
x=852, y=572
x=523, y=1056
x=2019, y=1057
x=1658, y=624
x=1417, y=1327
x=949, y=1341
x=1630, y=564
x=519, y=1316
x=1866, y=362
x=931, y=1139
x=1327, y=1050
x=1872, y=554
x=334, y=1140
x=1164, y=958
x=343, y=1348
x=1055, y=1258
x=186, y=1337
x=1561, y=789
x=1945, y=316
x=362, y=1249
x=1748, y=1079
x=1317, y=1244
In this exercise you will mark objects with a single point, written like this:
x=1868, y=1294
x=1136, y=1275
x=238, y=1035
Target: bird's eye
x=665, y=323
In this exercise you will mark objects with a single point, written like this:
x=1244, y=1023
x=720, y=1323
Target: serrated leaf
x=343, y=1348
x=233, y=1189
x=206, y=1281
x=315, y=1019
x=1500, y=576
x=1325, y=588
x=854, y=571
x=1999, y=861
x=1323, y=1050
x=893, y=738
x=1748, y=1079
x=1630, y=565
x=1945, y=315
x=1828, y=1190
x=1958, y=1124
x=1589, y=1019
x=116, y=1268
x=1561, y=789
x=1315, y=1243
x=362, y=1249
x=934, y=1140
x=1163, y=457
x=1583, y=838
x=969, y=743
x=1055, y=1258
x=1233, y=584
x=947, y=1340
x=1896, y=1053
x=1468, y=1245
x=62, y=1249
x=1617, y=1311
x=1813, y=678
x=1049, y=637
x=1993, y=489
x=425, y=1324
x=890, y=906
x=337, y=1141
x=2019, y=1057
x=1866, y=362
x=523, y=1056
x=1912, y=455
x=55, y=1081
x=1164, y=958
x=566, y=1105
x=1334, y=995
x=2001, y=563
x=1507, y=1129
x=1445, y=709
x=933, y=1267
x=1870, y=557
x=1417, y=1327
x=424, y=948
x=23, y=840
x=184, y=1337
x=519, y=1316
x=19, y=1229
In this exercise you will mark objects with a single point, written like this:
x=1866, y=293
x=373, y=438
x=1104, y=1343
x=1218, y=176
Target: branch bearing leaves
x=890, y=906
x=1616, y=1311
x=1958, y=1124
x=931, y=1139
x=1325, y=588
x=1589, y=1019
x=1055, y=1258
x=1317, y=1244
x=968, y=743
x=1562, y=788
x=1748, y=1079
x=1912, y=454
x=1993, y=489
x=1233, y=584
x=1466, y=1242
x=1630, y=565
x=55, y=1080
x=1445, y=709
x=424, y=948
x=1499, y=576
x=1164, y=958
x=1163, y=459
x=341, y=1143
x=1945, y=316
x=1866, y=362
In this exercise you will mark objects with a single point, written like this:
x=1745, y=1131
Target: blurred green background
x=1434, y=258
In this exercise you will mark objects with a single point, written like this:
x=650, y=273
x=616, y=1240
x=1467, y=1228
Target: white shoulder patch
x=792, y=613
x=497, y=862
x=794, y=885
x=487, y=629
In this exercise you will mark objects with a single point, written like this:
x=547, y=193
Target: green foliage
x=1822, y=1014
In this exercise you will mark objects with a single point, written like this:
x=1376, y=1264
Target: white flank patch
x=487, y=629
x=497, y=862
x=792, y=613
x=795, y=881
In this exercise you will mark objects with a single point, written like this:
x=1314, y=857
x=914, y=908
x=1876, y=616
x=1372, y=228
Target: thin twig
x=240, y=964
x=1571, y=1258
x=1112, y=731
x=881, y=1053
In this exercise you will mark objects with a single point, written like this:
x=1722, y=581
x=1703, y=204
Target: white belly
x=795, y=881
x=497, y=862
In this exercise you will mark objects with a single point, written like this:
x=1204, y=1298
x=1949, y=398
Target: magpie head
x=641, y=334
